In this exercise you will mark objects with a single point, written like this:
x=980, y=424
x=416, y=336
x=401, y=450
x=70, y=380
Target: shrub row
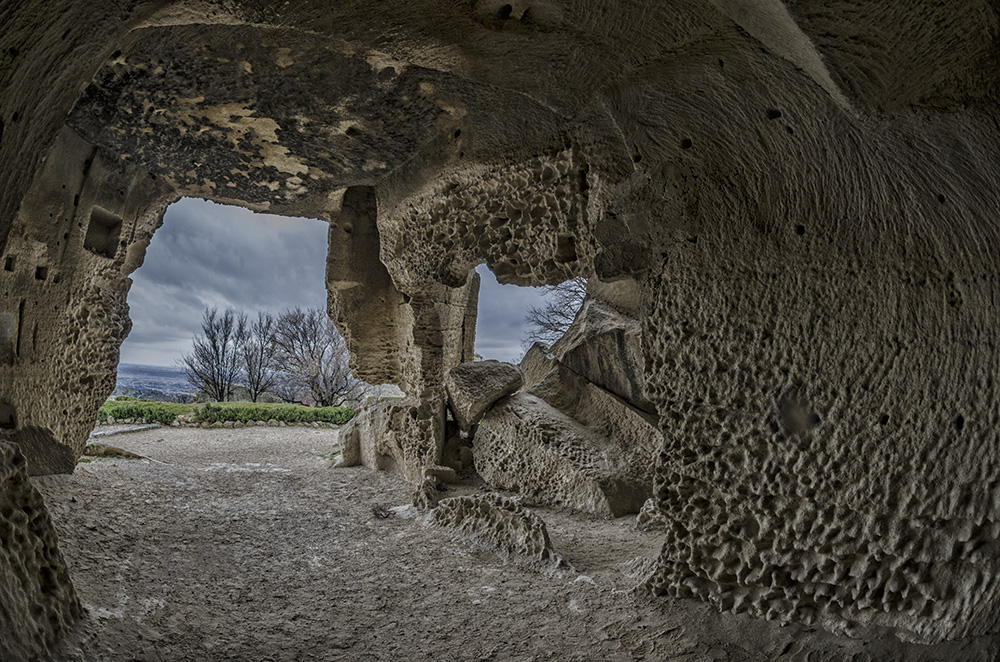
x=147, y=411
x=289, y=414
x=141, y=410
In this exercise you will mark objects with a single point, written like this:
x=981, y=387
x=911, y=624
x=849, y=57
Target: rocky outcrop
x=38, y=601
x=568, y=439
x=500, y=524
x=473, y=388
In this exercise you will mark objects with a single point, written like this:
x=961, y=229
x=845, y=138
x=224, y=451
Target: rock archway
x=805, y=196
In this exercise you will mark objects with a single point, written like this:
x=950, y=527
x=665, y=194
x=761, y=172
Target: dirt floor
x=243, y=544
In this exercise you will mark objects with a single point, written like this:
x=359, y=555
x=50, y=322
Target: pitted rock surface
x=526, y=445
x=39, y=602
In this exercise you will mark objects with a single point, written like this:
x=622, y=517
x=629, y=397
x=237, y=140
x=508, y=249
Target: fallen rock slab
x=473, y=388
x=501, y=524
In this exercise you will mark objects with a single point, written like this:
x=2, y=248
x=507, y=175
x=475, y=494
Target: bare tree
x=255, y=342
x=214, y=365
x=548, y=323
x=313, y=357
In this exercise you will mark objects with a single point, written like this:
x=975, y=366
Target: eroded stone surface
x=526, y=445
x=605, y=347
x=38, y=600
x=394, y=436
x=501, y=524
x=473, y=388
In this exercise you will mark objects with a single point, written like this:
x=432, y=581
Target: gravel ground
x=242, y=544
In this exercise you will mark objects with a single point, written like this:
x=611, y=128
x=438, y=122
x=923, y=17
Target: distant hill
x=152, y=382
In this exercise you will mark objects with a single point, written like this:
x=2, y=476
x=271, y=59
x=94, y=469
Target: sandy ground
x=243, y=545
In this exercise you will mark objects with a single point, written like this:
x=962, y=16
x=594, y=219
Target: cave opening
x=211, y=256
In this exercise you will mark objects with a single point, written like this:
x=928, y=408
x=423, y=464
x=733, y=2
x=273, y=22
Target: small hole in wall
x=636, y=158
x=565, y=248
x=458, y=132
x=65, y=34
x=883, y=419
x=8, y=416
x=103, y=232
x=686, y=143
x=800, y=230
x=9, y=262
x=15, y=116
x=790, y=130
x=693, y=240
x=505, y=12
x=76, y=200
x=352, y=132
x=41, y=273
x=773, y=113
x=959, y=422
x=813, y=420
x=56, y=279
x=115, y=55
x=722, y=63
x=941, y=198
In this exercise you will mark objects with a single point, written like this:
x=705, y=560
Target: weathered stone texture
x=43, y=454
x=567, y=439
x=526, y=445
x=37, y=600
x=473, y=387
x=500, y=524
x=395, y=436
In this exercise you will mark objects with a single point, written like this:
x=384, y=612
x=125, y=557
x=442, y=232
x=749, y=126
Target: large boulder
x=526, y=445
x=579, y=435
x=604, y=346
x=473, y=388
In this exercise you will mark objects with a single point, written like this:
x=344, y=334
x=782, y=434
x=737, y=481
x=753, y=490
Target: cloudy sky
x=209, y=255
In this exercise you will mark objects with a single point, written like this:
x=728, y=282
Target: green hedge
x=146, y=411
x=245, y=412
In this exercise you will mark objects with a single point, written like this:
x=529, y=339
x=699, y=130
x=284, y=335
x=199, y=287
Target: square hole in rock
x=8, y=415
x=8, y=263
x=41, y=273
x=103, y=232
